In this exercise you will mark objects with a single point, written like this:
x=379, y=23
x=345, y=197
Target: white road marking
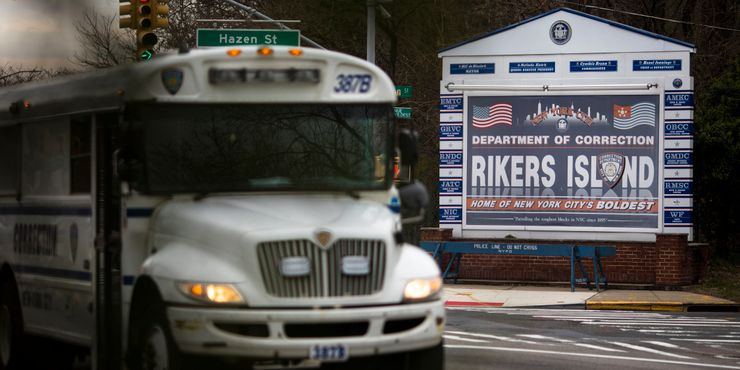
x=677, y=322
x=666, y=331
x=565, y=312
x=455, y=337
x=627, y=318
x=664, y=344
x=727, y=357
x=650, y=350
x=592, y=355
x=709, y=340
x=592, y=346
x=722, y=347
x=537, y=336
x=504, y=339
x=559, y=340
x=658, y=324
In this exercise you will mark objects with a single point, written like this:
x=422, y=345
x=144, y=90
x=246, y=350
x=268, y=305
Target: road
x=501, y=338
x=497, y=338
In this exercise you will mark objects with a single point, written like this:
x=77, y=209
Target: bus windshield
x=206, y=148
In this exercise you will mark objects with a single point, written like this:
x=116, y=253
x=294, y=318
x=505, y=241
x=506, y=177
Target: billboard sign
x=656, y=65
x=582, y=161
x=472, y=68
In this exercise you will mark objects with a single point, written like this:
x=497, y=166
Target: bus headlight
x=212, y=293
x=422, y=289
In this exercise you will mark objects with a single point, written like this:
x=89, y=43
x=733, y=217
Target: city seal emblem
x=172, y=80
x=560, y=32
x=611, y=168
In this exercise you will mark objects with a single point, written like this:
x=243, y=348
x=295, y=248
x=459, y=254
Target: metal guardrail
x=575, y=252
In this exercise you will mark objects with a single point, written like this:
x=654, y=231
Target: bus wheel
x=11, y=329
x=152, y=347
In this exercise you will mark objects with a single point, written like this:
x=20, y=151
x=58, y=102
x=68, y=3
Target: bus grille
x=325, y=278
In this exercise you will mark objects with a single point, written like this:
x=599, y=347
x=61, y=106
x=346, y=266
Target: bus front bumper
x=295, y=333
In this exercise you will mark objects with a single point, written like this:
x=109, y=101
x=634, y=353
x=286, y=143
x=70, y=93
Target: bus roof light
x=233, y=52
x=242, y=75
x=296, y=52
x=264, y=51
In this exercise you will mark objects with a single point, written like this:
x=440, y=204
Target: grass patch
x=722, y=280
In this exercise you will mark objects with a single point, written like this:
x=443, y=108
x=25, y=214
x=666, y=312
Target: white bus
x=223, y=205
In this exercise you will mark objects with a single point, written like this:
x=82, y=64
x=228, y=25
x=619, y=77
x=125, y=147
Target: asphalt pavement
x=483, y=338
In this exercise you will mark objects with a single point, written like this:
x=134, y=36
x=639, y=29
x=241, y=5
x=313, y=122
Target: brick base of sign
x=670, y=261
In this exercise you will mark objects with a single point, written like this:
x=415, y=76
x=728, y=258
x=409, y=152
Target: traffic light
x=144, y=16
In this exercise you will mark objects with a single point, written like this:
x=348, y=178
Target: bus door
x=52, y=228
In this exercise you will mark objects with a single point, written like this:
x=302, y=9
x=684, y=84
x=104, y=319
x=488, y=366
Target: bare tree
x=10, y=75
x=102, y=44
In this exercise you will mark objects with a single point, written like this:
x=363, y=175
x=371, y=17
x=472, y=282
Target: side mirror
x=408, y=145
x=414, y=201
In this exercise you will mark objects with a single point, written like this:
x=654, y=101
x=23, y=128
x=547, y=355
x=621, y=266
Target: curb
x=661, y=306
x=636, y=306
x=472, y=304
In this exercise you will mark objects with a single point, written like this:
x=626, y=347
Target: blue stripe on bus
x=139, y=212
x=128, y=279
x=66, y=211
x=54, y=272
x=64, y=273
x=45, y=211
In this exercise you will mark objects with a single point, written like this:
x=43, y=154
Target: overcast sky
x=42, y=32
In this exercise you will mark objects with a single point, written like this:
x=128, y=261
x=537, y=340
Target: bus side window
x=79, y=155
x=45, y=165
x=9, y=164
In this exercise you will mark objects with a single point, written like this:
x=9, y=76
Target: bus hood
x=244, y=240
x=233, y=220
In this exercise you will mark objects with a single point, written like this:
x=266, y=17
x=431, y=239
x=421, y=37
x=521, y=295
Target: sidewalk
x=459, y=295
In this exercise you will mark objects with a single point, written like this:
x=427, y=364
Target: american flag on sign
x=499, y=113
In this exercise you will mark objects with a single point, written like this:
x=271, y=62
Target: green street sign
x=402, y=112
x=207, y=37
x=404, y=91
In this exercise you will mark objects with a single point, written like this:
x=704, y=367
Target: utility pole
x=371, y=4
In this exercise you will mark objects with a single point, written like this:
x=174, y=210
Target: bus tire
x=152, y=346
x=428, y=359
x=11, y=327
